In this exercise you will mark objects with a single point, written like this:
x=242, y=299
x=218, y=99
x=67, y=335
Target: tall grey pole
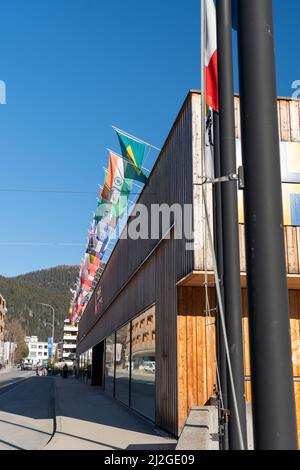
x=218, y=237
x=270, y=345
x=231, y=256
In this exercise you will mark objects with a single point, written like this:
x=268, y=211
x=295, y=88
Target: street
x=83, y=417
x=26, y=410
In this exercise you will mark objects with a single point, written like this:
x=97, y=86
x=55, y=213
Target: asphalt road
x=26, y=410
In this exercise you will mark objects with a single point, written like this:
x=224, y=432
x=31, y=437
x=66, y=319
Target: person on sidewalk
x=65, y=371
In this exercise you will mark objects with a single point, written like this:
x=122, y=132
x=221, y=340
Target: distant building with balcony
x=38, y=351
x=69, y=340
x=2, y=327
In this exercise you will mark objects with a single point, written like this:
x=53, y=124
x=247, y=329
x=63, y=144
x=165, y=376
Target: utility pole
x=270, y=345
x=231, y=256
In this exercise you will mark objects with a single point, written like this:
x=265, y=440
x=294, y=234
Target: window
x=122, y=364
x=130, y=368
x=143, y=372
x=109, y=364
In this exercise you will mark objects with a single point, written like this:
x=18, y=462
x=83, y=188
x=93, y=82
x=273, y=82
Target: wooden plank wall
x=196, y=351
x=292, y=249
x=288, y=119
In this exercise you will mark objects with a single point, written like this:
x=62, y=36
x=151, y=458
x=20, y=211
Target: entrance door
x=97, y=364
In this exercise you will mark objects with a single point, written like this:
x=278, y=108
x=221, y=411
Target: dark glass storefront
x=122, y=368
x=129, y=364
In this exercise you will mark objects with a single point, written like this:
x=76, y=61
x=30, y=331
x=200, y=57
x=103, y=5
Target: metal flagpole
x=221, y=353
x=270, y=344
x=231, y=257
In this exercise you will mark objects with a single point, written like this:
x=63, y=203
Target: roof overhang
x=200, y=278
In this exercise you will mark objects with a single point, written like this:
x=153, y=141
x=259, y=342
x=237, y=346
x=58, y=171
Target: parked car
x=149, y=366
x=26, y=366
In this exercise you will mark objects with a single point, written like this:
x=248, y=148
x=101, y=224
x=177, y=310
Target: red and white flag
x=211, y=57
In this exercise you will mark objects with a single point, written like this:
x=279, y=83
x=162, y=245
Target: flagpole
x=135, y=138
x=274, y=416
x=231, y=256
x=218, y=238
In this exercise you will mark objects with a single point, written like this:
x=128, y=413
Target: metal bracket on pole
x=239, y=177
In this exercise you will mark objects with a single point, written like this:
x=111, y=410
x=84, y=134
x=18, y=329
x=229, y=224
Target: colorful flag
x=211, y=56
x=132, y=149
x=103, y=210
x=120, y=177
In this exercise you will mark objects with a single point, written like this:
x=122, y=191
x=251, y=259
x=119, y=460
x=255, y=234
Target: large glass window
x=143, y=364
x=89, y=365
x=122, y=364
x=109, y=364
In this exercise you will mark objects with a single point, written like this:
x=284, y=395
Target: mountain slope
x=24, y=293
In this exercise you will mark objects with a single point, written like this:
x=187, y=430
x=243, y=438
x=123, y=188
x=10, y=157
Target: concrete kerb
x=57, y=424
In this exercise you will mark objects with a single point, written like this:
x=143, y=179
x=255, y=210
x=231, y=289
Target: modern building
x=38, y=351
x=149, y=330
x=69, y=340
x=2, y=327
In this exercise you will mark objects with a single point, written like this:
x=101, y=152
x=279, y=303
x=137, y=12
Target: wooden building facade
x=161, y=276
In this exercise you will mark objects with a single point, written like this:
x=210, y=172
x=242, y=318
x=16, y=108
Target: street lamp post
x=53, y=320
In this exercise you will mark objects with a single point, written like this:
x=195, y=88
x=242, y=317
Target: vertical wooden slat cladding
x=127, y=290
x=196, y=349
x=237, y=117
x=295, y=121
x=284, y=108
x=292, y=249
x=202, y=250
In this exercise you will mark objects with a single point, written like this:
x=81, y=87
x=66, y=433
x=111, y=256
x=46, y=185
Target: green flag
x=132, y=149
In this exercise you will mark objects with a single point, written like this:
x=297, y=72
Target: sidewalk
x=86, y=418
x=7, y=369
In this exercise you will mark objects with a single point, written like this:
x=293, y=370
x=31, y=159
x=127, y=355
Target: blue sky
x=72, y=68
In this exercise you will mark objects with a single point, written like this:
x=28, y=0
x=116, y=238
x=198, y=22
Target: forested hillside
x=24, y=293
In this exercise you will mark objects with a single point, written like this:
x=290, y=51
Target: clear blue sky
x=73, y=68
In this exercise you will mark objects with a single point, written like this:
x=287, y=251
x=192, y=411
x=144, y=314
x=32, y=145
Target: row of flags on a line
x=123, y=173
x=126, y=170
